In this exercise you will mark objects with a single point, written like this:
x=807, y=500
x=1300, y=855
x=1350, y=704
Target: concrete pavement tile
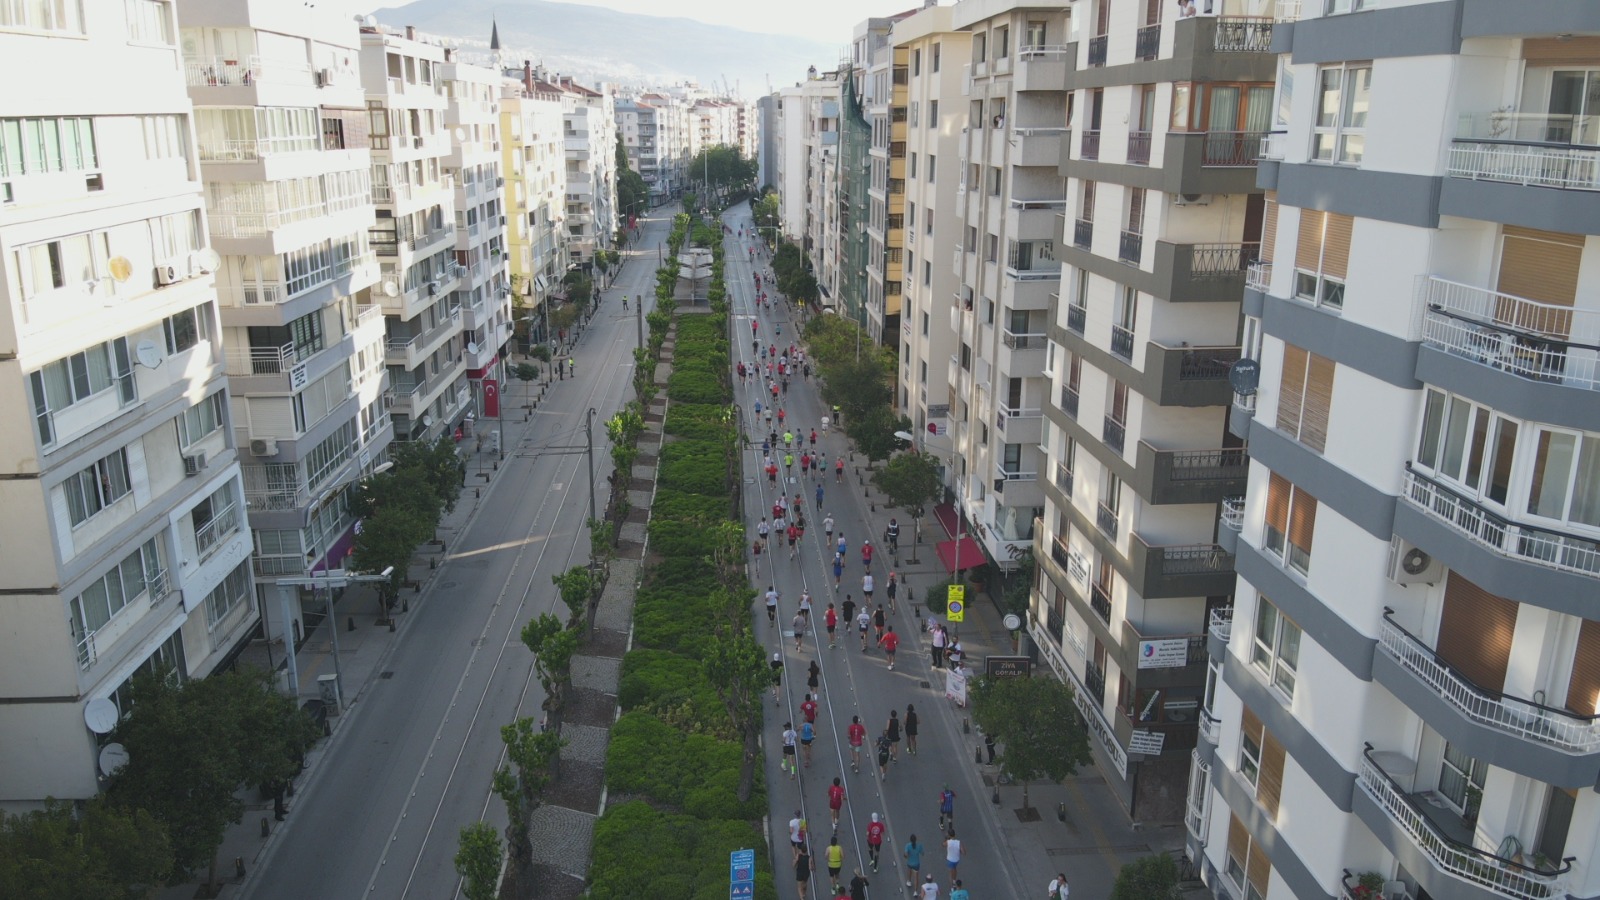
x=586, y=743
x=633, y=531
x=596, y=673
x=562, y=838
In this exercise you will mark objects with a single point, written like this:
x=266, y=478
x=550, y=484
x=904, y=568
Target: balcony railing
x=1056, y=623
x=1069, y=401
x=1559, y=728
x=1094, y=681
x=1064, y=479
x=1348, y=889
x=156, y=586
x=1106, y=518
x=1089, y=146
x=1082, y=233
x=1097, y=51
x=1224, y=464
x=1221, y=623
x=1243, y=34
x=1258, y=277
x=1529, y=339
x=276, y=499
x=1540, y=546
x=1232, y=148
x=1076, y=316
x=1023, y=341
x=1139, y=147
x=1542, y=150
x=1122, y=342
x=1100, y=602
x=1131, y=248
x=1505, y=877
x=1221, y=260
x=1288, y=11
x=1058, y=552
x=212, y=533
x=1210, y=728
x=1207, y=363
x=1233, y=513
x=1147, y=43
x=265, y=360
x=1005, y=414
x=1114, y=434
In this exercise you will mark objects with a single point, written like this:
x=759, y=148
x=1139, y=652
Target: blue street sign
x=742, y=868
x=744, y=890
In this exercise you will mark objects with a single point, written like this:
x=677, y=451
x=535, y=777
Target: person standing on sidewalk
x=1058, y=887
x=952, y=854
x=940, y=639
x=911, y=729
x=890, y=642
x=857, y=735
x=835, y=804
x=875, y=831
x=913, y=855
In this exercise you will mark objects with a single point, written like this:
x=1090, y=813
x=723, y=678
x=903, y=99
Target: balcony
x=1082, y=233
x=1075, y=319
x=1233, y=512
x=1529, y=149
x=1535, y=341
x=1041, y=68
x=1114, y=434
x=1004, y=476
x=1189, y=476
x=210, y=535
x=1020, y=425
x=1131, y=248
x=1064, y=480
x=245, y=71
x=1106, y=519
x=1179, y=570
x=1525, y=720
x=1122, y=342
x=1243, y=34
x=1221, y=623
x=1069, y=401
x=247, y=361
x=1036, y=146
x=1349, y=886
x=1094, y=681
x=1453, y=854
x=1089, y=145
x=1232, y=149
x=1516, y=540
x=1258, y=277
x=1147, y=43
x=1139, y=147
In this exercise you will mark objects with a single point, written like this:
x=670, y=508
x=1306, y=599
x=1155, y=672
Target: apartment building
x=415, y=235
x=1406, y=687
x=591, y=146
x=483, y=290
x=884, y=73
x=534, y=163
x=125, y=545
x=792, y=159
x=931, y=151
x=818, y=110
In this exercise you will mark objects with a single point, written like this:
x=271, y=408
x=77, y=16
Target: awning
x=946, y=514
x=971, y=554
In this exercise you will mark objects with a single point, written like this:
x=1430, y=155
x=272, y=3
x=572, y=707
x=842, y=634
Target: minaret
x=494, y=45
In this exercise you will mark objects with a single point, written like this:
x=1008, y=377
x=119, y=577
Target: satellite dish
x=390, y=289
x=1012, y=621
x=461, y=134
x=370, y=21
x=121, y=268
x=112, y=758
x=472, y=347
x=101, y=715
x=427, y=421
x=1244, y=376
x=147, y=354
x=209, y=259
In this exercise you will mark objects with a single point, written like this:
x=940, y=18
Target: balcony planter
x=1368, y=886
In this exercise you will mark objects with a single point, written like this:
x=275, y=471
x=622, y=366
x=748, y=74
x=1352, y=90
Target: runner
x=866, y=588
x=911, y=729
x=838, y=469
x=890, y=642
x=808, y=733
x=836, y=800
x=883, y=756
x=772, y=601
x=827, y=526
x=857, y=734
x=777, y=675
x=848, y=611
x=810, y=464
x=879, y=621
x=808, y=707
x=913, y=855
x=835, y=854
x=875, y=831
x=866, y=554
x=793, y=534
x=863, y=619
x=813, y=675
x=947, y=809
x=830, y=618
x=892, y=589
x=788, y=761
x=952, y=854
x=799, y=632
x=838, y=570
x=930, y=888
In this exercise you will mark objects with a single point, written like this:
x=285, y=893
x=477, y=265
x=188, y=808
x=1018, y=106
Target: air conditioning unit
x=170, y=273
x=417, y=142
x=1191, y=200
x=263, y=447
x=193, y=464
x=388, y=401
x=1410, y=564
x=324, y=77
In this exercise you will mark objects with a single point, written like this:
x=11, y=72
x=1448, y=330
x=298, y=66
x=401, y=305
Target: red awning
x=971, y=554
x=946, y=514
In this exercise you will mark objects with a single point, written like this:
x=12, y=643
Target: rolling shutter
x=1238, y=840
x=1583, y=691
x=1291, y=390
x=1269, y=226
x=1278, y=489
x=1308, y=249
x=1540, y=266
x=1475, y=632
x=1259, y=869
x=1318, y=401
x=1336, y=244
x=1302, y=520
x=1269, y=788
x=1569, y=51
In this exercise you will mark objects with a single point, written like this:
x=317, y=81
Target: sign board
x=1008, y=666
x=956, y=603
x=297, y=377
x=1164, y=653
x=955, y=686
x=1149, y=742
x=1078, y=568
x=741, y=874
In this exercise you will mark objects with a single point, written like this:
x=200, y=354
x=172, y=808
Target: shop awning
x=971, y=554
x=946, y=514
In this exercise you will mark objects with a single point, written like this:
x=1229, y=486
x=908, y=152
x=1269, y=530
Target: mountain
x=596, y=44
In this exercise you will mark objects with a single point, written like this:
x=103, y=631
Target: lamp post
x=327, y=550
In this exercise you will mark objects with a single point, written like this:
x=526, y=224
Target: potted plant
x=1469, y=810
x=1369, y=886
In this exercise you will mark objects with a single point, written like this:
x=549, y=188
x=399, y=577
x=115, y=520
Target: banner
x=955, y=686
x=491, y=397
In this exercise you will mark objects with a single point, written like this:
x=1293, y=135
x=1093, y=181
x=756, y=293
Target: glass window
x=93, y=489
x=1343, y=95
x=1276, y=647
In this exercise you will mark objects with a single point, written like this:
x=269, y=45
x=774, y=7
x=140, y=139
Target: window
x=1461, y=777
x=35, y=146
x=1566, y=477
x=1305, y=396
x=1335, y=7
x=43, y=15
x=201, y=420
x=916, y=61
x=150, y=21
x=1291, y=520
x=1276, y=651
x=1111, y=492
x=1250, y=729
x=911, y=166
x=228, y=595
x=81, y=261
x=1247, y=866
x=1467, y=444
x=78, y=377
x=214, y=518
x=935, y=65
x=1035, y=38
x=991, y=248
x=1321, y=257
x=980, y=47
x=1341, y=125
x=932, y=110
x=925, y=320
x=1136, y=205
x=994, y=181
x=93, y=489
x=933, y=122
x=927, y=273
x=139, y=574
x=185, y=329
x=1002, y=42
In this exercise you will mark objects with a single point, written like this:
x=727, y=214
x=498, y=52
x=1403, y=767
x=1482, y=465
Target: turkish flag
x=491, y=397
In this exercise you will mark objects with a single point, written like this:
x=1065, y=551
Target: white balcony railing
x=263, y=360
x=1288, y=11
x=1537, y=149
x=223, y=524
x=1233, y=513
x=1258, y=277
x=1537, y=341
x=1210, y=728
x=1195, y=817
x=1273, y=144
x=1221, y=623
x=1524, y=719
x=1518, y=540
x=156, y=586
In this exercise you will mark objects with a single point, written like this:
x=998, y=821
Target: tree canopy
x=633, y=195
x=723, y=167
x=911, y=481
x=1037, y=723
x=104, y=852
x=1153, y=877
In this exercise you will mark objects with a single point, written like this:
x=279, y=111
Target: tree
x=527, y=374
x=873, y=432
x=191, y=744
x=737, y=668
x=478, y=857
x=575, y=586
x=633, y=194
x=1153, y=877
x=534, y=756
x=437, y=464
x=553, y=646
x=106, y=851
x=1037, y=723
x=856, y=388
x=911, y=482
x=399, y=510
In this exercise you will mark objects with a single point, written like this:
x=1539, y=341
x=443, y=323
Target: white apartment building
x=125, y=543
x=819, y=104
x=534, y=162
x=483, y=292
x=1407, y=685
x=283, y=141
x=791, y=158
x=591, y=145
x=932, y=153
x=415, y=235
x=885, y=72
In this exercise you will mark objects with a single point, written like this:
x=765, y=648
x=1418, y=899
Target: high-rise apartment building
x=885, y=70
x=818, y=108
x=531, y=124
x=125, y=544
x=792, y=156
x=591, y=144
x=1407, y=683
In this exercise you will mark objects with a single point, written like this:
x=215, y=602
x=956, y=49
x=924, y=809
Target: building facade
x=531, y=125
x=885, y=71
x=591, y=146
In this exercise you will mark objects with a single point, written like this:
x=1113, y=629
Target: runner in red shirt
x=809, y=709
x=874, y=840
x=831, y=619
x=889, y=641
x=858, y=734
x=838, y=471
x=772, y=472
x=866, y=554
x=836, y=801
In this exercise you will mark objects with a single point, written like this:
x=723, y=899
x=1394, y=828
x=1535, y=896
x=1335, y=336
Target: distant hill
x=596, y=44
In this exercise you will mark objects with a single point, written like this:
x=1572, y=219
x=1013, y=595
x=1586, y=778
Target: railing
x=1559, y=728
x=1100, y=602
x=1023, y=341
x=1106, y=518
x=1131, y=247
x=1541, y=546
x=1114, y=433
x=1122, y=342
x=1097, y=50
x=1232, y=148
x=1082, y=233
x=1233, y=513
x=1503, y=876
x=209, y=535
x=263, y=360
x=155, y=586
x=1288, y=11
x=1192, y=559
x=1350, y=889
x=219, y=72
x=1221, y=260
x=1069, y=401
x=1007, y=413
x=1210, y=728
x=1147, y=43
x=1139, y=147
x=1207, y=363
x=391, y=192
x=252, y=294
x=1076, y=316
x=1056, y=623
x=1196, y=818
x=1094, y=681
x=366, y=315
x=1058, y=552
x=1208, y=465
x=277, y=499
x=1064, y=479
x=1004, y=474
x=1524, y=337
x=1221, y=623
x=1258, y=277
x=1527, y=164
x=1041, y=50
x=1243, y=34
x=1089, y=146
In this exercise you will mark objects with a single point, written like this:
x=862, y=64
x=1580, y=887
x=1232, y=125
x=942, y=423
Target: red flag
x=491, y=398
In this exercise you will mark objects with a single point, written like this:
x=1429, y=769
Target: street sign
x=741, y=875
x=1163, y=653
x=1149, y=742
x=1008, y=666
x=955, y=608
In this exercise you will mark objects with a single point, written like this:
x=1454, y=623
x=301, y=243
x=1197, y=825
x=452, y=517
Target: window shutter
x=1259, y=869
x=1582, y=52
x=1269, y=787
x=1583, y=691
x=1250, y=724
x=1278, y=489
x=1136, y=210
x=1269, y=226
x=1302, y=520
x=1318, y=401
x=1540, y=266
x=1336, y=244
x=1475, y=632
x=1087, y=211
x=1308, y=249
x=1291, y=390
x=1238, y=839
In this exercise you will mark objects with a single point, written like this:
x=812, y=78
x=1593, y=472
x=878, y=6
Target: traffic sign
x=955, y=608
x=741, y=875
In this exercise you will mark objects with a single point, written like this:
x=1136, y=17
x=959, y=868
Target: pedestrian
x=808, y=733
x=863, y=619
x=790, y=736
x=892, y=535
x=892, y=729
x=838, y=471
x=988, y=746
x=848, y=611
x=788, y=438
x=930, y=889
x=838, y=570
x=883, y=755
x=952, y=853
x=777, y=675
x=890, y=642
x=772, y=602
x=830, y=618
x=788, y=464
x=954, y=655
x=875, y=831
x=879, y=621
x=572, y=367
x=835, y=854
x=799, y=631
x=802, y=870
x=808, y=708
x=940, y=640
x=811, y=678
x=797, y=832
x=866, y=554
x=858, y=886
x=911, y=729
x=827, y=526
x=957, y=892
x=947, y=808
x=857, y=735
x=836, y=803
x=866, y=588
x=891, y=589
x=1058, y=887
x=913, y=855
x=819, y=487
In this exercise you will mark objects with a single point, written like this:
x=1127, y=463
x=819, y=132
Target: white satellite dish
x=209, y=259
x=461, y=134
x=112, y=758
x=390, y=289
x=427, y=421
x=472, y=347
x=101, y=715
x=370, y=21
x=121, y=268
x=147, y=354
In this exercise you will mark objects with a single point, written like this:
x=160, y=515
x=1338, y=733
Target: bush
x=644, y=852
x=699, y=421
x=671, y=686
x=694, y=467
x=693, y=772
x=1147, y=878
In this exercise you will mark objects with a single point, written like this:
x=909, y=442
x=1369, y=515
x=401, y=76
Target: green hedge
x=640, y=851
x=694, y=772
x=670, y=686
x=702, y=421
x=694, y=466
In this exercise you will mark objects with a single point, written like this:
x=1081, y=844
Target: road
x=854, y=683
x=413, y=763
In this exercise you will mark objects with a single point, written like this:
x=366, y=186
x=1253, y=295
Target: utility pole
x=638, y=318
x=588, y=430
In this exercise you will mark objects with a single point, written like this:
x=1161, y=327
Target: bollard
x=477, y=493
x=996, y=797
x=350, y=623
x=391, y=623
x=966, y=725
x=433, y=564
x=1061, y=811
x=977, y=755
x=265, y=828
x=238, y=865
x=405, y=605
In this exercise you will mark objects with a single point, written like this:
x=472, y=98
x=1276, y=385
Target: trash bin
x=328, y=688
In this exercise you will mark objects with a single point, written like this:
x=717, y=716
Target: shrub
x=694, y=467
x=656, y=681
x=644, y=852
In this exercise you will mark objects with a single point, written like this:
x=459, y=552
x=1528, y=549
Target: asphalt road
x=414, y=761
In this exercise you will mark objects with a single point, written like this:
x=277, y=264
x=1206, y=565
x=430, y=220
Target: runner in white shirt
x=930, y=888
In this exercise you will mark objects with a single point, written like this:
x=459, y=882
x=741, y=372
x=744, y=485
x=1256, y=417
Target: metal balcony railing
x=1538, y=149
x=1233, y=513
x=1538, y=341
x=1147, y=42
x=1131, y=248
x=1056, y=623
x=265, y=360
x=1076, y=316
x=1089, y=145
x=1082, y=233
x=1222, y=464
x=1106, y=519
x=1114, y=434
x=1210, y=728
x=1122, y=342
x=1097, y=50
x=1139, y=147
x=1207, y=363
x=1243, y=34
x=1023, y=341
x=1094, y=681
x=1069, y=401
x=1530, y=543
x=1221, y=260
x=1232, y=148
x=212, y=533
x=1064, y=479
x=1191, y=559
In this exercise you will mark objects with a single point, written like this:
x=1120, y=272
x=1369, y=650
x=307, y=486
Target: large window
x=1468, y=444
x=141, y=572
x=1291, y=522
x=1276, y=648
x=1305, y=397
x=42, y=15
x=1341, y=127
x=1566, y=477
x=1322, y=257
x=150, y=21
x=77, y=378
x=81, y=261
x=201, y=420
x=1247, y=866
x=93, y=489
x=35, y=146
x=1461, y=777
x=229, y=595
x=185, y=329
